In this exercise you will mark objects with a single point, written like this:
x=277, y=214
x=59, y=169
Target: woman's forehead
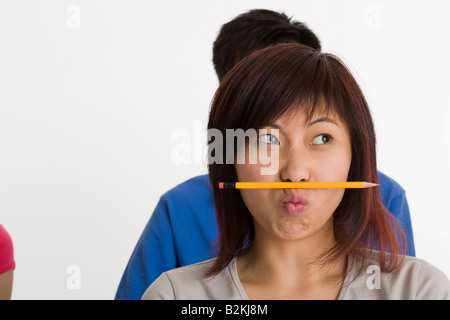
x=305, y=117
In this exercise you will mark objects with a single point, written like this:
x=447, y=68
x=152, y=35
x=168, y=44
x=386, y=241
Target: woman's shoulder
x=414, y=279
x=191, y=282
x=428, y=281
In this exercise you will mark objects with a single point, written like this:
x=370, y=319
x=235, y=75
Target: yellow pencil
x=296, y=185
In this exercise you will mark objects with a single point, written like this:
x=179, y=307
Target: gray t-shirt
x=414, y=280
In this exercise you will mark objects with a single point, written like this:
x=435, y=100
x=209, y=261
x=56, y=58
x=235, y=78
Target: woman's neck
x=290, y=265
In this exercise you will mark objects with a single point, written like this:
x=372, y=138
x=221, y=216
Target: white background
x=89, y=103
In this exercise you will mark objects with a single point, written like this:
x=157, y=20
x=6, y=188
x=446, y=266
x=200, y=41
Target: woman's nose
x=295, y=165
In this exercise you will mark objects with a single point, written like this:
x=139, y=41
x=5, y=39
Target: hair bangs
x=312, y=86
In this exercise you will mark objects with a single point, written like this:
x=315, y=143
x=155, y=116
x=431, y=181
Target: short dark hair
x=254, y=30
x=288, y=78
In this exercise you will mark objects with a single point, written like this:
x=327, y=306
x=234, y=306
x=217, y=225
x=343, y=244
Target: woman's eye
x=268, y=138
x=322, y=139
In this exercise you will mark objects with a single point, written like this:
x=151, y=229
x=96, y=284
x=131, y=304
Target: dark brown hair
x=290, y=77
x=254, y=30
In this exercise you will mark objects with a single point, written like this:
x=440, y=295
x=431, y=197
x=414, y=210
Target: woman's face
x=318, y=150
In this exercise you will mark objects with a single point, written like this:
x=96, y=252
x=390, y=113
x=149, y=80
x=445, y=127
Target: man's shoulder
x=388, y=184
x=193, y=186
x=192, y=198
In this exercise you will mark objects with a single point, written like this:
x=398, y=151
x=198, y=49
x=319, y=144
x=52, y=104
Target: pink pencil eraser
x=220, y=185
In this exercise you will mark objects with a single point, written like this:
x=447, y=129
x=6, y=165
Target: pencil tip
x=370, y=184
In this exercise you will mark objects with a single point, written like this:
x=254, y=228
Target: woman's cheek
x=333, y=165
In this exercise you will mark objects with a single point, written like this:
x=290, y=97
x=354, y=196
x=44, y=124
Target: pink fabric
x=6, y=251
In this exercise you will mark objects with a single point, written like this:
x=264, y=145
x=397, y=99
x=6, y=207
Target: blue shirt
x=183, y=228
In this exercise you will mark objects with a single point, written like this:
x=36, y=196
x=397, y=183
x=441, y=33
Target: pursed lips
x=294, y=203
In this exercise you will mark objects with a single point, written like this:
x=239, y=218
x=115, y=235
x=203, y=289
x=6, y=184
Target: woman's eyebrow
x=317, y=120
x=275, y=126
x=322, y=119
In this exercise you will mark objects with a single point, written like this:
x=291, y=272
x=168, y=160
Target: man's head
x=254, y=30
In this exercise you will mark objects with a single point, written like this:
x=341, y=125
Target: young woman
x=300, y=243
